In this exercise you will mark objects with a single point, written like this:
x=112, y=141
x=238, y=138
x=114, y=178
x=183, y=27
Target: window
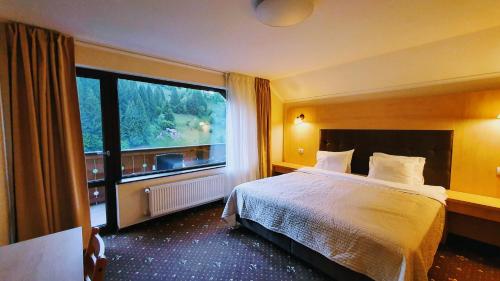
x=134, y=126
x=89, y=99
x=165, y=127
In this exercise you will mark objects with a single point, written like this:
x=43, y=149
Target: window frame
x=111, y=84
x=109, y=135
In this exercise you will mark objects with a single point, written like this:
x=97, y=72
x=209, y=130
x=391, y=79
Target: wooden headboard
x=435, y=145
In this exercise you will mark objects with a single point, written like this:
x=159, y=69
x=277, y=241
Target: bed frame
x=435, y=145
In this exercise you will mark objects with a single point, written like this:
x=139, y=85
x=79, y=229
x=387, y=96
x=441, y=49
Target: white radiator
x=171, y=197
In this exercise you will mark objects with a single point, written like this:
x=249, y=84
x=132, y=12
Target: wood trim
x=473, y=209
x=285, y=168
x=282, y=169
x=483, y=207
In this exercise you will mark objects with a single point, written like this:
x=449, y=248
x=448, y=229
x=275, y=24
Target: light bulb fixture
x=280, y=13
x=498, y=116
x=299, y=119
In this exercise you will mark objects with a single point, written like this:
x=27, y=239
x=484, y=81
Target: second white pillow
x=392, y=169
x=418, y=164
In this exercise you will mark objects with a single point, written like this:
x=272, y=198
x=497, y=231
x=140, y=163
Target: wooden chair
x=94, y=261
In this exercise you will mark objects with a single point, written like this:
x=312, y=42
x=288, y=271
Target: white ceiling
x=225, y=35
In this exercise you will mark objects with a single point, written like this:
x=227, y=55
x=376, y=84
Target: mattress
x=383, y=230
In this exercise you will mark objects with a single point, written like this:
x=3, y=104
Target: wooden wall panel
x=476, y=148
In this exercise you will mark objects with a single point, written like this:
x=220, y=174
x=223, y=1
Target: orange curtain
x=50, y=185
x=263, y=92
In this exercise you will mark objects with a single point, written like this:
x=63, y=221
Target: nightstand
x=280, y=168
x=474, y=216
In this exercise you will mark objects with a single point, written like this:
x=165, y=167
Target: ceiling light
x=283, y=12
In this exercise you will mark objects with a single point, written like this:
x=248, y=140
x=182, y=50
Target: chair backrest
x=94, y=261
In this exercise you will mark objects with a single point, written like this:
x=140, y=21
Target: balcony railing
x=144, y=161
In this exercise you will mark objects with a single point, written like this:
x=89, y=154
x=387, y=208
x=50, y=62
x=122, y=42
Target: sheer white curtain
x=242, y=161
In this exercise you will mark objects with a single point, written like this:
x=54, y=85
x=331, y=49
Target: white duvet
x=386, y=231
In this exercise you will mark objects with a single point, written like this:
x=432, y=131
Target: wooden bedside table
x=280, y=168
x=473, y=216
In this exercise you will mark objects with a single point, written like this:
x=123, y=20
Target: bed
x=349, y=226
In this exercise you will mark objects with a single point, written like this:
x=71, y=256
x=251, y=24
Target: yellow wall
x=120, y=61
x=476, y=148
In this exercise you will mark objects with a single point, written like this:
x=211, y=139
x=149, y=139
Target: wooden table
x=280, y=168
x=57, y=256
x=479, y=206
x=474, y=216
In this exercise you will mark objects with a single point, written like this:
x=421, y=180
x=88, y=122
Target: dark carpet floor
x=197, y=245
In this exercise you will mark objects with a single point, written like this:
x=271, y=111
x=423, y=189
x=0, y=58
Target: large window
x=141, y=127
x=165, y=127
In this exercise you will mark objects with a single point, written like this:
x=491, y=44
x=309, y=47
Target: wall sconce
x=299, y=119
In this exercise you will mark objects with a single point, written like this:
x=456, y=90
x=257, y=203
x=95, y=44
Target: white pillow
x=391, y=169
x=334, y=161
x=418, y=162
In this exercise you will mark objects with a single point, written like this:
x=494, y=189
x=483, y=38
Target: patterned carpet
x=197, y=245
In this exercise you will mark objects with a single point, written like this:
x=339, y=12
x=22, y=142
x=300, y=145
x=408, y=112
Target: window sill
x=168, y=174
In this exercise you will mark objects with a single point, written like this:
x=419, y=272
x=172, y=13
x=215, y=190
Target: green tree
x=196, y=104
x=175, y=102
x=134, y=129
x=147, y=110
x=90, y=113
